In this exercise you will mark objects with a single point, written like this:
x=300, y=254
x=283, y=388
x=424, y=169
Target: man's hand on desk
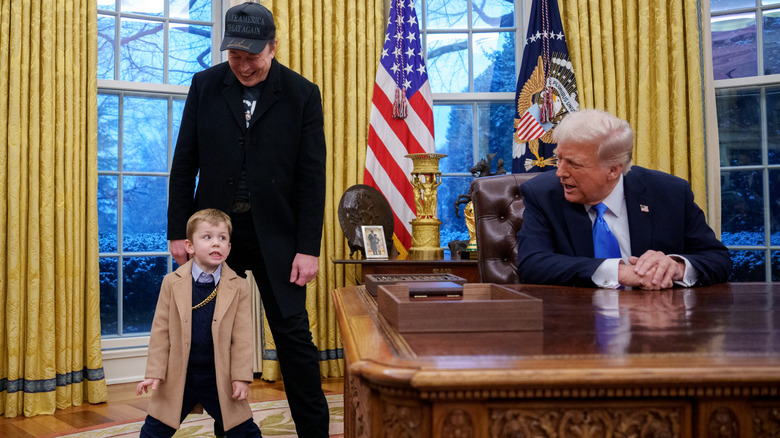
x=628, y=277
x=654, y=270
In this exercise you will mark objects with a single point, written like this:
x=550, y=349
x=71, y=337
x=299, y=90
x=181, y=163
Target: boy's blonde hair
x=211, y=216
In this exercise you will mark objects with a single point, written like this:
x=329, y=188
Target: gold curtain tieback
x=207, y=300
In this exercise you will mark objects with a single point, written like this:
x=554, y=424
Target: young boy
x=201, y=342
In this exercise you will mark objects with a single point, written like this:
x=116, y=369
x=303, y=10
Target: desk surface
x=713, y=335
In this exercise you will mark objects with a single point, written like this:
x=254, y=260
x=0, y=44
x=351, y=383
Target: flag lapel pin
x=643, y=208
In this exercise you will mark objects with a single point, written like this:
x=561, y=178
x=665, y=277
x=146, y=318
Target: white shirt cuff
x=690, y=276
x=606, y=275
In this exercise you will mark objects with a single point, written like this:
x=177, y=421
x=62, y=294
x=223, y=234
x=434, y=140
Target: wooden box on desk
x=483, y=307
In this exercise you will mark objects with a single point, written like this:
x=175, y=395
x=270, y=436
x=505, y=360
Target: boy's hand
x=240, y=389
x=144, y=386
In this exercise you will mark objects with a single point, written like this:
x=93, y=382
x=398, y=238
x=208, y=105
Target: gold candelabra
x=425, y=180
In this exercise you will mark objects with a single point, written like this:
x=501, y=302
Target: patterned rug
x=272, y=416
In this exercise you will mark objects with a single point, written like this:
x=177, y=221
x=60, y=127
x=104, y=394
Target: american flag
x=401, y=119
x=529, y=127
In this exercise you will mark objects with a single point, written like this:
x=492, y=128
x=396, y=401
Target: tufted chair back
x=498, y=215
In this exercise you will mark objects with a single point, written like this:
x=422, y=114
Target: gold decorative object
x=207, y=300
x=425, y=179
x=468, y=214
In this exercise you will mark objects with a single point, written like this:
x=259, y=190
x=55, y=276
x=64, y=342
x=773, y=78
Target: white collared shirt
x=616, y=216
x=197, y=271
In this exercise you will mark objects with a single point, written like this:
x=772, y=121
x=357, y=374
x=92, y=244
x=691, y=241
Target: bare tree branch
x=144, y=32
x=449, y=48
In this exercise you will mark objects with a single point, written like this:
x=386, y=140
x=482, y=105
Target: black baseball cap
x=248, y=27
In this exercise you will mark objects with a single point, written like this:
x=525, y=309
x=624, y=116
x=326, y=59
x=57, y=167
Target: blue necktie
x=605, y=243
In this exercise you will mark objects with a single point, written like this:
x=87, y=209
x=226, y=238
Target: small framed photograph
x=374, y=241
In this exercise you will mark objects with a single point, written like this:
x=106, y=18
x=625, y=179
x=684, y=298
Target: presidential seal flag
x=546, y=90
x=401, y=120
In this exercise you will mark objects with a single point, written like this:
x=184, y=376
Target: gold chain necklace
x=207, y=300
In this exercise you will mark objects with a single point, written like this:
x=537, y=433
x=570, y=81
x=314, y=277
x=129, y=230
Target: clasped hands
x=653, y=270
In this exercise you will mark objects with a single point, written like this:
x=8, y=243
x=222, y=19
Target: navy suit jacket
x=555, y=242
x=285, y=154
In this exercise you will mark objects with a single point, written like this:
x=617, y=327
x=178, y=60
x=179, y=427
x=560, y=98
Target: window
x=147, y=54
x=746, y=66
x=471, y=51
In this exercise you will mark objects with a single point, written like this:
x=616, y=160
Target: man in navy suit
x=252, y=144
x=662, y=234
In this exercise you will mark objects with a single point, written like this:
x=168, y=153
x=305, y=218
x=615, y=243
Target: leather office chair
x=498, y=215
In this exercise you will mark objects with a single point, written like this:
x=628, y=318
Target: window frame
x=760, y=83
x=522, y=15
x=474, y=99
x=118, y=343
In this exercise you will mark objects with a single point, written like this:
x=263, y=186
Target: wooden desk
x=462, y=268
x=685, y=362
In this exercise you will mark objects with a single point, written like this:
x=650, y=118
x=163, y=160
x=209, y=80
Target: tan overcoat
x=169, y=345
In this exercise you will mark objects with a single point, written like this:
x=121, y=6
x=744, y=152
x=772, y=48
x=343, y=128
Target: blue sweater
x=202, y=351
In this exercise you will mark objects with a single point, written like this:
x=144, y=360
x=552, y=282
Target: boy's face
x=210, y=245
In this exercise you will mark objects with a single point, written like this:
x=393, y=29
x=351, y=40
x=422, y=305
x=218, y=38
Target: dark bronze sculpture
x=364, y=205
x=482, y=168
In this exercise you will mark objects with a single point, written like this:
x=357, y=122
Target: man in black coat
x=252, y=144
x=660, y=235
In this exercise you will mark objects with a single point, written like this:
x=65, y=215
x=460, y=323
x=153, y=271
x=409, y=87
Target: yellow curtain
x=335, y=45
x=50, y=326
x=641, y=60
